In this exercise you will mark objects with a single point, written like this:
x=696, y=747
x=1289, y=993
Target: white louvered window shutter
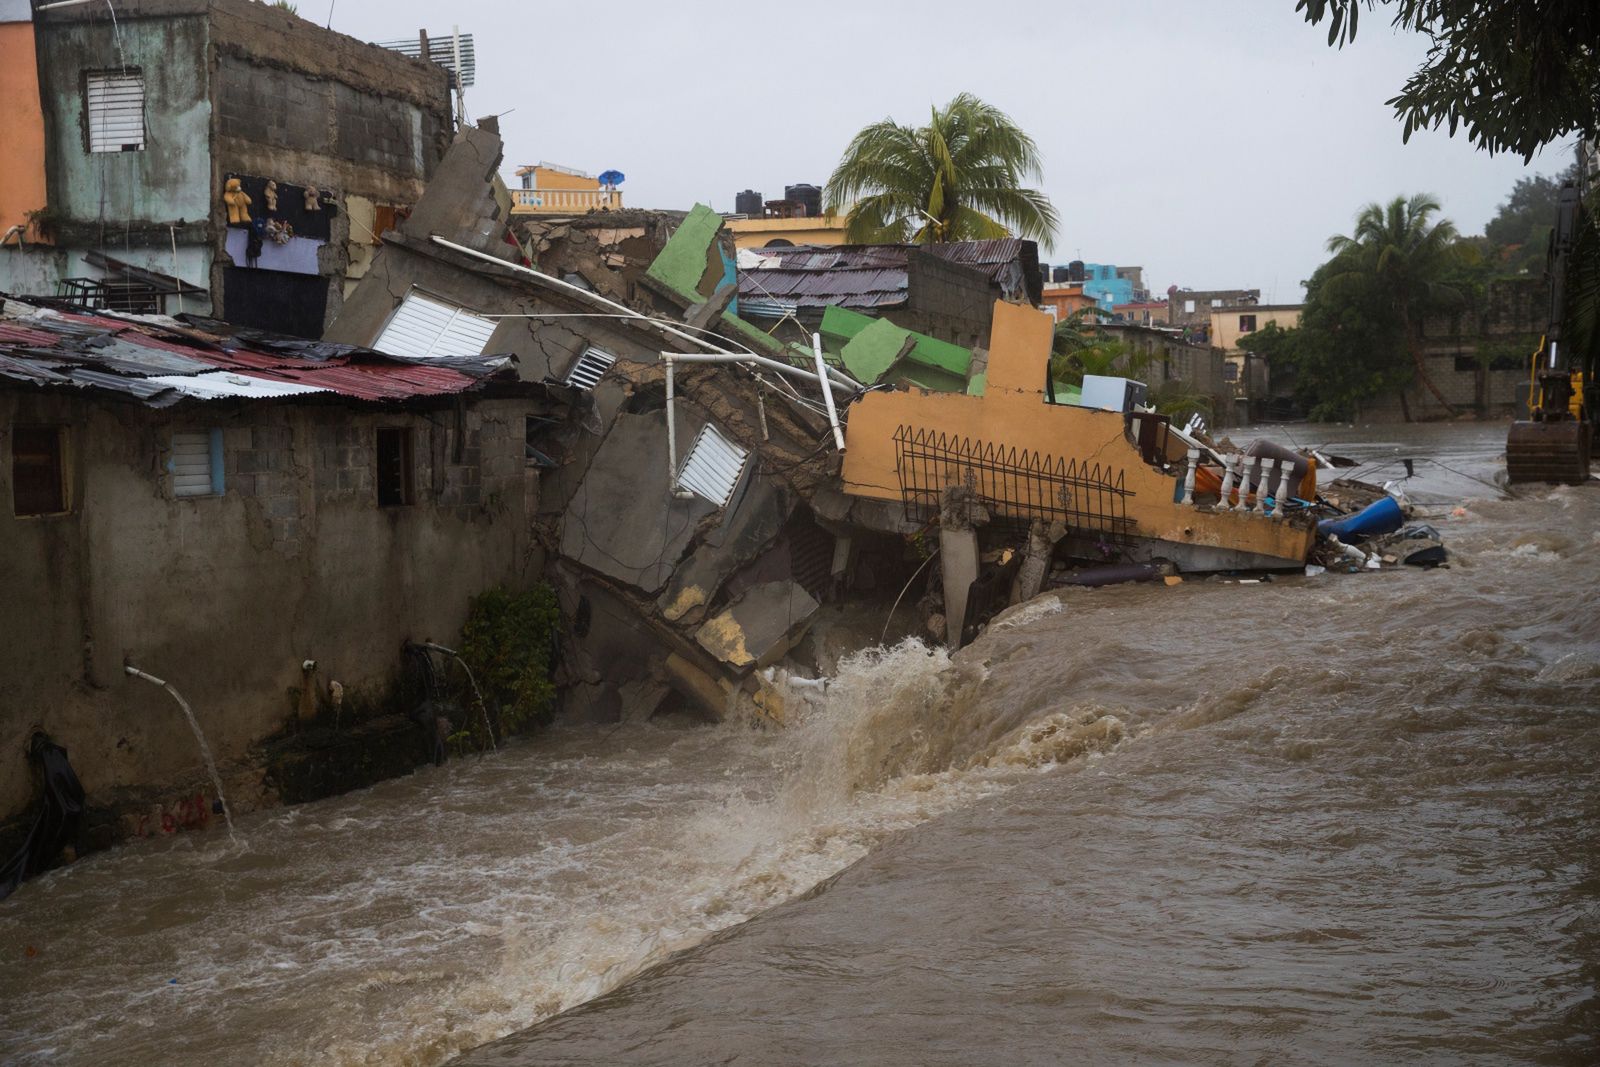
x=191, y=465
x=115, y=103
x=590, y=367
x=423, y=326
x=712, y=466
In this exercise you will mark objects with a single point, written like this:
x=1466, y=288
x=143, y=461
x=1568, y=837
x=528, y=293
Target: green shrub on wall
x=509, y=643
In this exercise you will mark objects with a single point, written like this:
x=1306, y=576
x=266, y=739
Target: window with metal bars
x=396, y=472
x=113, y=103
x=590, y=367
x=38, y=471
x=712, y=466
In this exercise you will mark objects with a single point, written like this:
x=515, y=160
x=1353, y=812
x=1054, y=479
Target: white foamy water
x=425, y=916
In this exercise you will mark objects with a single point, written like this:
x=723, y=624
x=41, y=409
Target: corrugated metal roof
x=161, y=364
x=871, y=276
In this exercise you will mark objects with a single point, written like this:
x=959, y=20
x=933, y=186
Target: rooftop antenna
x=461, y=83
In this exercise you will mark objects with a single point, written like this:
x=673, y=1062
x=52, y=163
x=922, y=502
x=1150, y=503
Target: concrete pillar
x=958, y=563
x=1036, y=562
x=959, y=514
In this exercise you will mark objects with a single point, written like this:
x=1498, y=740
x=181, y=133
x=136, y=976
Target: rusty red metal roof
x=161, y=363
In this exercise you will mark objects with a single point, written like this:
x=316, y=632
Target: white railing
x=565, y=201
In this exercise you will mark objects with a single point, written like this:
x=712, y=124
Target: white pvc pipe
x=672, y=430
x=743, y=357
x=827, y=392
x=199, y=736
x=595, y=298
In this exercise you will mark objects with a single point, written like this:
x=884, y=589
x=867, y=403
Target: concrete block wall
x=227, y=595
x=946, y=300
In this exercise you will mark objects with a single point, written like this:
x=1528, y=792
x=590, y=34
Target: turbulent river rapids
x=1335, y=819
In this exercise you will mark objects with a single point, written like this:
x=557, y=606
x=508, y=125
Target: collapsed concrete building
x=680, y=580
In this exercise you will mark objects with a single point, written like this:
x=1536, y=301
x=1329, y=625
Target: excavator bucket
x=1556, y=451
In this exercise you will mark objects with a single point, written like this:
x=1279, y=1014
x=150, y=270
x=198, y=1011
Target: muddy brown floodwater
x=1342, y=819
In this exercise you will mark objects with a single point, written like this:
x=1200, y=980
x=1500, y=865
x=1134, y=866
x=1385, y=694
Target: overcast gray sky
x=1217, y=144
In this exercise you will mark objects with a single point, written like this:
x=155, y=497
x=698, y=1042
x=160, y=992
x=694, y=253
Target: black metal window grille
x=1016, y=485
x=100, y=294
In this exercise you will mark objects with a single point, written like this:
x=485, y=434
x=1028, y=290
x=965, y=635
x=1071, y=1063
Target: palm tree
x=1397, y=250
x=959, y=178
x=1080, y=347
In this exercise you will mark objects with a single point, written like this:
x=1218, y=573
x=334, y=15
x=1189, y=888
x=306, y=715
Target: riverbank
x=1298, y=818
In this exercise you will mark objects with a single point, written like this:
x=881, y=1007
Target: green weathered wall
x=931, y=363
x=171, y=178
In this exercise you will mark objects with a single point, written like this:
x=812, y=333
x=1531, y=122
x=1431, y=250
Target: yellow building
x=1228, y=324
x=549, y=189
x=785, y=233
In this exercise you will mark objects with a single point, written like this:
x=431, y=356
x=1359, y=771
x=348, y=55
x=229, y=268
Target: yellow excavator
x=1554, y=443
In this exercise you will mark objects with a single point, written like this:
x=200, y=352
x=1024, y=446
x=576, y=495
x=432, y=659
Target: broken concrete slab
x=758, y=629
x=744, y=531
x=870, y=354
x=623, y=521
x=682, y=264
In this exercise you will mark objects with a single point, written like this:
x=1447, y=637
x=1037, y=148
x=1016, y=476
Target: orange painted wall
x=1066, y=300
x=545, y=178
x=1012, y=412
x=22, y=187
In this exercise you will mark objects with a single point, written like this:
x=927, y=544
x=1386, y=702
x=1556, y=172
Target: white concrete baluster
x=1285, y=490
x=1264, y=486
x=1192, y=467
x=1230, y=469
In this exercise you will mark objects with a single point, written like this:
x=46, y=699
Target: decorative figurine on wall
x=238, y=202
x=272, y=195
x=312, y=203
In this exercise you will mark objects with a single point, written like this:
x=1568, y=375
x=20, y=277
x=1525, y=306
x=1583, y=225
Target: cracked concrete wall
x=225, y=596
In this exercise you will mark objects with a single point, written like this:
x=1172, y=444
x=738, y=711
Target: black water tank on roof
x=749, y=203
x=809, y=195
x=1075, y=270
x=1060, y=274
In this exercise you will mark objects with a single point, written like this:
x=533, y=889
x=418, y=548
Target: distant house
x=1248, y=376
x=1065, y=300
x=1193, y=307
x=244, y=159
x=222, y=508
x=551, y=189
x=1142, y=313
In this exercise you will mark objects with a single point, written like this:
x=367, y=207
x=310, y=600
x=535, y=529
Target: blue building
x=1100, y=280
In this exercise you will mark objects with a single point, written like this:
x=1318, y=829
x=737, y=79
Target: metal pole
x=461, y=87
x=739, y=357
x=172, y=232
x=827, y=391
x=672, y=430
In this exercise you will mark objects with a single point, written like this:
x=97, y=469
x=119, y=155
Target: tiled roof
x=162, y=361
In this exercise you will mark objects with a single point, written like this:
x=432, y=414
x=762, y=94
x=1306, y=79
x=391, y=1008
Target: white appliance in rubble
x=1111, y=394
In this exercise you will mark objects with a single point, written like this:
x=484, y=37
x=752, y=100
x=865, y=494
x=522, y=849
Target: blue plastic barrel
x=1376, y=519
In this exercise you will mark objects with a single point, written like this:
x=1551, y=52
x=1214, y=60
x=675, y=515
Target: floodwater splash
x=511, y=888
